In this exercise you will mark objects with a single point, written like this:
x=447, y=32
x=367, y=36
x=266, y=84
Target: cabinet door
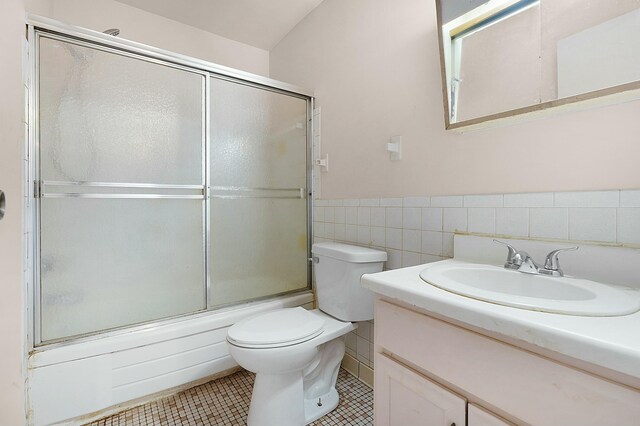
x=406, y=398
x=480, y=417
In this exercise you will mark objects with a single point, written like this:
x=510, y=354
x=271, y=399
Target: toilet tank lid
x=349, y=253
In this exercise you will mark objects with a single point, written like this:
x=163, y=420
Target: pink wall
x=11, y=162
x=374, y=66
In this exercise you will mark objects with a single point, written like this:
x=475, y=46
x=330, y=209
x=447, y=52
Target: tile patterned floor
x=225, y=402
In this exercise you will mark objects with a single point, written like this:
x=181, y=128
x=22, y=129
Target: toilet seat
x=282, y=327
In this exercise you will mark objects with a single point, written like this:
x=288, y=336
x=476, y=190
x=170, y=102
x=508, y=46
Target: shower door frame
x=39, y=26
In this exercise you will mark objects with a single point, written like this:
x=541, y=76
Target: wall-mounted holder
x=323, y=163
x=395, y=148
x=3, y=204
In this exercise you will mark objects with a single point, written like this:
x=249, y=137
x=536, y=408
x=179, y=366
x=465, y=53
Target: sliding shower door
x=258, y=205
x=122, y=200
x=161, y=189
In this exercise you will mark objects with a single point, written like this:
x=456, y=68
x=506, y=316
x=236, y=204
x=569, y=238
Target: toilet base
x=290, y=379
x=276, y=400
x=313, y=411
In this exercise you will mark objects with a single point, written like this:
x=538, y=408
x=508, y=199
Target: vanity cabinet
x=432, y=372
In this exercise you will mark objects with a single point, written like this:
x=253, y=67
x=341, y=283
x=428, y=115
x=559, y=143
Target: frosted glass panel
x=111, y=263
x=105, y=117
x=259, y=248
x=258, y=137
x=258, y=244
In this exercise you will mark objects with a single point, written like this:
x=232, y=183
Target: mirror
x=502, y=58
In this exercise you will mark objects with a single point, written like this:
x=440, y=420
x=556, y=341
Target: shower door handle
x=3, y=204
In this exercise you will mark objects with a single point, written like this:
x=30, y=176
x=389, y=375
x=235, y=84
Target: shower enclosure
x=163, y=187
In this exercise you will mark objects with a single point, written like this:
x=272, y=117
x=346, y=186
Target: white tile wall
x=394, y=238
x=513, y=222
x=364, y=235
x=483, y=200
x=378, y=236
x=454, y=219
x=481, y=220
x=539, y=199
x=394, y=259
x=592, y=224
x=432, y=219
x=370, y=202
x=411, y=240
x=351, y=233
x=587, y=199
x=432, y=243
x=600, y=216
x=364, y=216
x=359, y=343
x=393, y=217
x=549, y=222
x=391, y=202
x=447, y=201
x=447, y=244
x=329, y=214
x=410, y=258
x=352, y=215
x=630, y=198
x=416, y=202
x=417, y=230
x=411, y=218
x=628, y=222
x=378, y=215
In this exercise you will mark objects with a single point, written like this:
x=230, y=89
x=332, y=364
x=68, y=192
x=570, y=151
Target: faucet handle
x=552, y=264
x=511, y=255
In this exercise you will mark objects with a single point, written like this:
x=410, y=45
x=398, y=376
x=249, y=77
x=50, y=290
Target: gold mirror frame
x=602, y=97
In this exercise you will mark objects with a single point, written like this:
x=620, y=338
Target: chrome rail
x=119, y=185
x=235, y=192
x=94, y=195
x=44, y=190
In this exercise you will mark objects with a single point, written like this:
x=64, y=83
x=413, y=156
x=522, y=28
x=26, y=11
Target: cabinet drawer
x=531, y=388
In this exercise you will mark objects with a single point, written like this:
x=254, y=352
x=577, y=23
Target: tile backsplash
x=417, y=230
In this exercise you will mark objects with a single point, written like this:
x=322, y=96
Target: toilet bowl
x=296, y=353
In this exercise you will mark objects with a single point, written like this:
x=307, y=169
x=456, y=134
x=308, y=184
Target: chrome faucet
x=552, y=264
x=521, y=261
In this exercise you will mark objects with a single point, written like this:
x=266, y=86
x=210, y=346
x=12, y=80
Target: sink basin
x=562, y=295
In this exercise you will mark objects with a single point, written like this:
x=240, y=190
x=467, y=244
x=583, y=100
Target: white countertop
x=612, y=343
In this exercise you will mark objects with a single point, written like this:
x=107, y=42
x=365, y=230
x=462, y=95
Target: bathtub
x=77, y=382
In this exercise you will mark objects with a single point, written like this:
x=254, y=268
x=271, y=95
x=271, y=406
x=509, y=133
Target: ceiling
x=259, y=23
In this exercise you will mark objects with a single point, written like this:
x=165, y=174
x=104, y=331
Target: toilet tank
x=338, y=268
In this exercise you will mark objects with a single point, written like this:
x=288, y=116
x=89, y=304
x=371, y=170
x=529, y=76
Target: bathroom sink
x=563, y=295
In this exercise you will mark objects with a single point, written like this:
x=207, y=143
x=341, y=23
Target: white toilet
x=296, y=353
